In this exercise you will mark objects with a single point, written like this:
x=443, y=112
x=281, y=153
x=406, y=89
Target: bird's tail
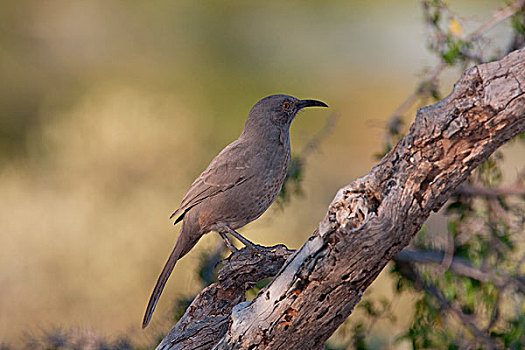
x=182, y=247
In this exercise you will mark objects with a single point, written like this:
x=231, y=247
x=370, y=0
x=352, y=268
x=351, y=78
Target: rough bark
x=206, y=319
x=367, y=223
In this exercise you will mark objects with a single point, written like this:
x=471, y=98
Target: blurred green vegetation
x=465, y=277
x=109, y=109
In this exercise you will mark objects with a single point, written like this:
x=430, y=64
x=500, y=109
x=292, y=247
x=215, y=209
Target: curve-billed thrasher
x=239, y=184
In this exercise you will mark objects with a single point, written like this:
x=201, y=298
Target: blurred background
x=110, y=109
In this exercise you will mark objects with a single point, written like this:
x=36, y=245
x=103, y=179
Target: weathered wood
x=207, y=318
x=373, y=218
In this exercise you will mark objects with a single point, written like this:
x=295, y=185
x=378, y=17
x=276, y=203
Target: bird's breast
x=270, y=180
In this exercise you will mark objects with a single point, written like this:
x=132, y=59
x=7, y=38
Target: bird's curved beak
x=310, y=103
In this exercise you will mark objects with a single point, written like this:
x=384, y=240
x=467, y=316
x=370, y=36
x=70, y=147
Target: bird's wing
x=227, y=169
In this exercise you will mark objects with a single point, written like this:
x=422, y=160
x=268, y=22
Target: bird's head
x=278, y=110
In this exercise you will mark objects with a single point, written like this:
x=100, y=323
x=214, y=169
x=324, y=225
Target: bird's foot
x=256, y=247
x=249, y=244
x=266, y=248
x=262, y=248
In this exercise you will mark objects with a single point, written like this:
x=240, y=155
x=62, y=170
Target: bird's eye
x=287, y=105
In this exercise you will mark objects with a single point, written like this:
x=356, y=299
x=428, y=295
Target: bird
x=240, y=183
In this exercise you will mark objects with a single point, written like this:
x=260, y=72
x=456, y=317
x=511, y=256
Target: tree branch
x=412, y=274
x=491, y=192
x=428, y=83
x=368, y=222
x=458, y=265
x=207, y=318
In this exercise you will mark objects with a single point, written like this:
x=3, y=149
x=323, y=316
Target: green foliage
x=454, y=49
x=450, y=298
x=514, y=338
x=482, y=305
x=517, y=22
x=208, y=266
x=252, y=293
x=180, y=306
x=359, y=337
x=292, y=182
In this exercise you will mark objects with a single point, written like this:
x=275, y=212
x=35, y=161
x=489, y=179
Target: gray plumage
x=240, y=183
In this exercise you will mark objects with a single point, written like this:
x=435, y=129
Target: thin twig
x=466, y=320
x=432, y=76
x=472, y=190
x=313, y=143
x=458, y=265
x=494, y=316
x=496, y=18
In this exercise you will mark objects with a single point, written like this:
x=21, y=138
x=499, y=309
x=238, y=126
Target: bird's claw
x=262, y=248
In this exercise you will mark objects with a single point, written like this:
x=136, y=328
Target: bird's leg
x=228, y=243
x=243, y=240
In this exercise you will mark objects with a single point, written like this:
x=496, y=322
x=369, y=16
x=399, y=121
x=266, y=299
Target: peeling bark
x=207, y=318
x=368, y=222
